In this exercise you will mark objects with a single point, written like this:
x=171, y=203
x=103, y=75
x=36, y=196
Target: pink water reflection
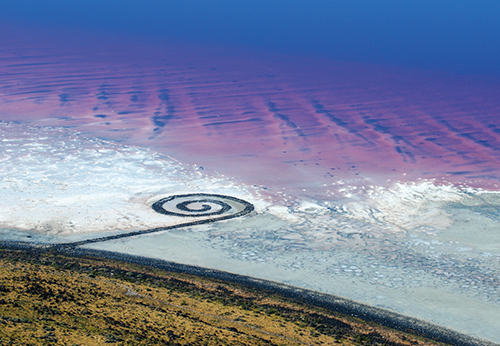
x=283, y=122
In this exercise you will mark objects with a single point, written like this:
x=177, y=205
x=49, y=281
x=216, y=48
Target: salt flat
x=73, y=186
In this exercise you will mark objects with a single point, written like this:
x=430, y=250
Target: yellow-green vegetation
x=50, y=299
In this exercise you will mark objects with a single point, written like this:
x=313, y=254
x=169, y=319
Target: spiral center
x=191, y=206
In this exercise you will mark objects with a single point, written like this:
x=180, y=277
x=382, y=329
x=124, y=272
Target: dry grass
x=49, y=299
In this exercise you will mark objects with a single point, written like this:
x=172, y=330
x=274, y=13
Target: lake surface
x=375, y=181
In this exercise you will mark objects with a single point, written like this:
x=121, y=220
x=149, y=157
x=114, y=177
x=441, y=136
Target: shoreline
x=333, y=303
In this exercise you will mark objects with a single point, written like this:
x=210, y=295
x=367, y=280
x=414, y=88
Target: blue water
x=456, y=36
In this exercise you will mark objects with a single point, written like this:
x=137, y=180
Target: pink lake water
x=256, y=116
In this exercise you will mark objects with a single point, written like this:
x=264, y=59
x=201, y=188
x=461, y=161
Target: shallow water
x=373, y=182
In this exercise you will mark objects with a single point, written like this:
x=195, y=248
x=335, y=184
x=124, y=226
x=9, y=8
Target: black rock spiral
x=201, y=204
x=189, y=205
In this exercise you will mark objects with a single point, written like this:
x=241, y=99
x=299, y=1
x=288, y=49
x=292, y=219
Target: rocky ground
x=50, y=299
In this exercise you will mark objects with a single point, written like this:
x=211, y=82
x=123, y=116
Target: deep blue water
x=456, y=36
